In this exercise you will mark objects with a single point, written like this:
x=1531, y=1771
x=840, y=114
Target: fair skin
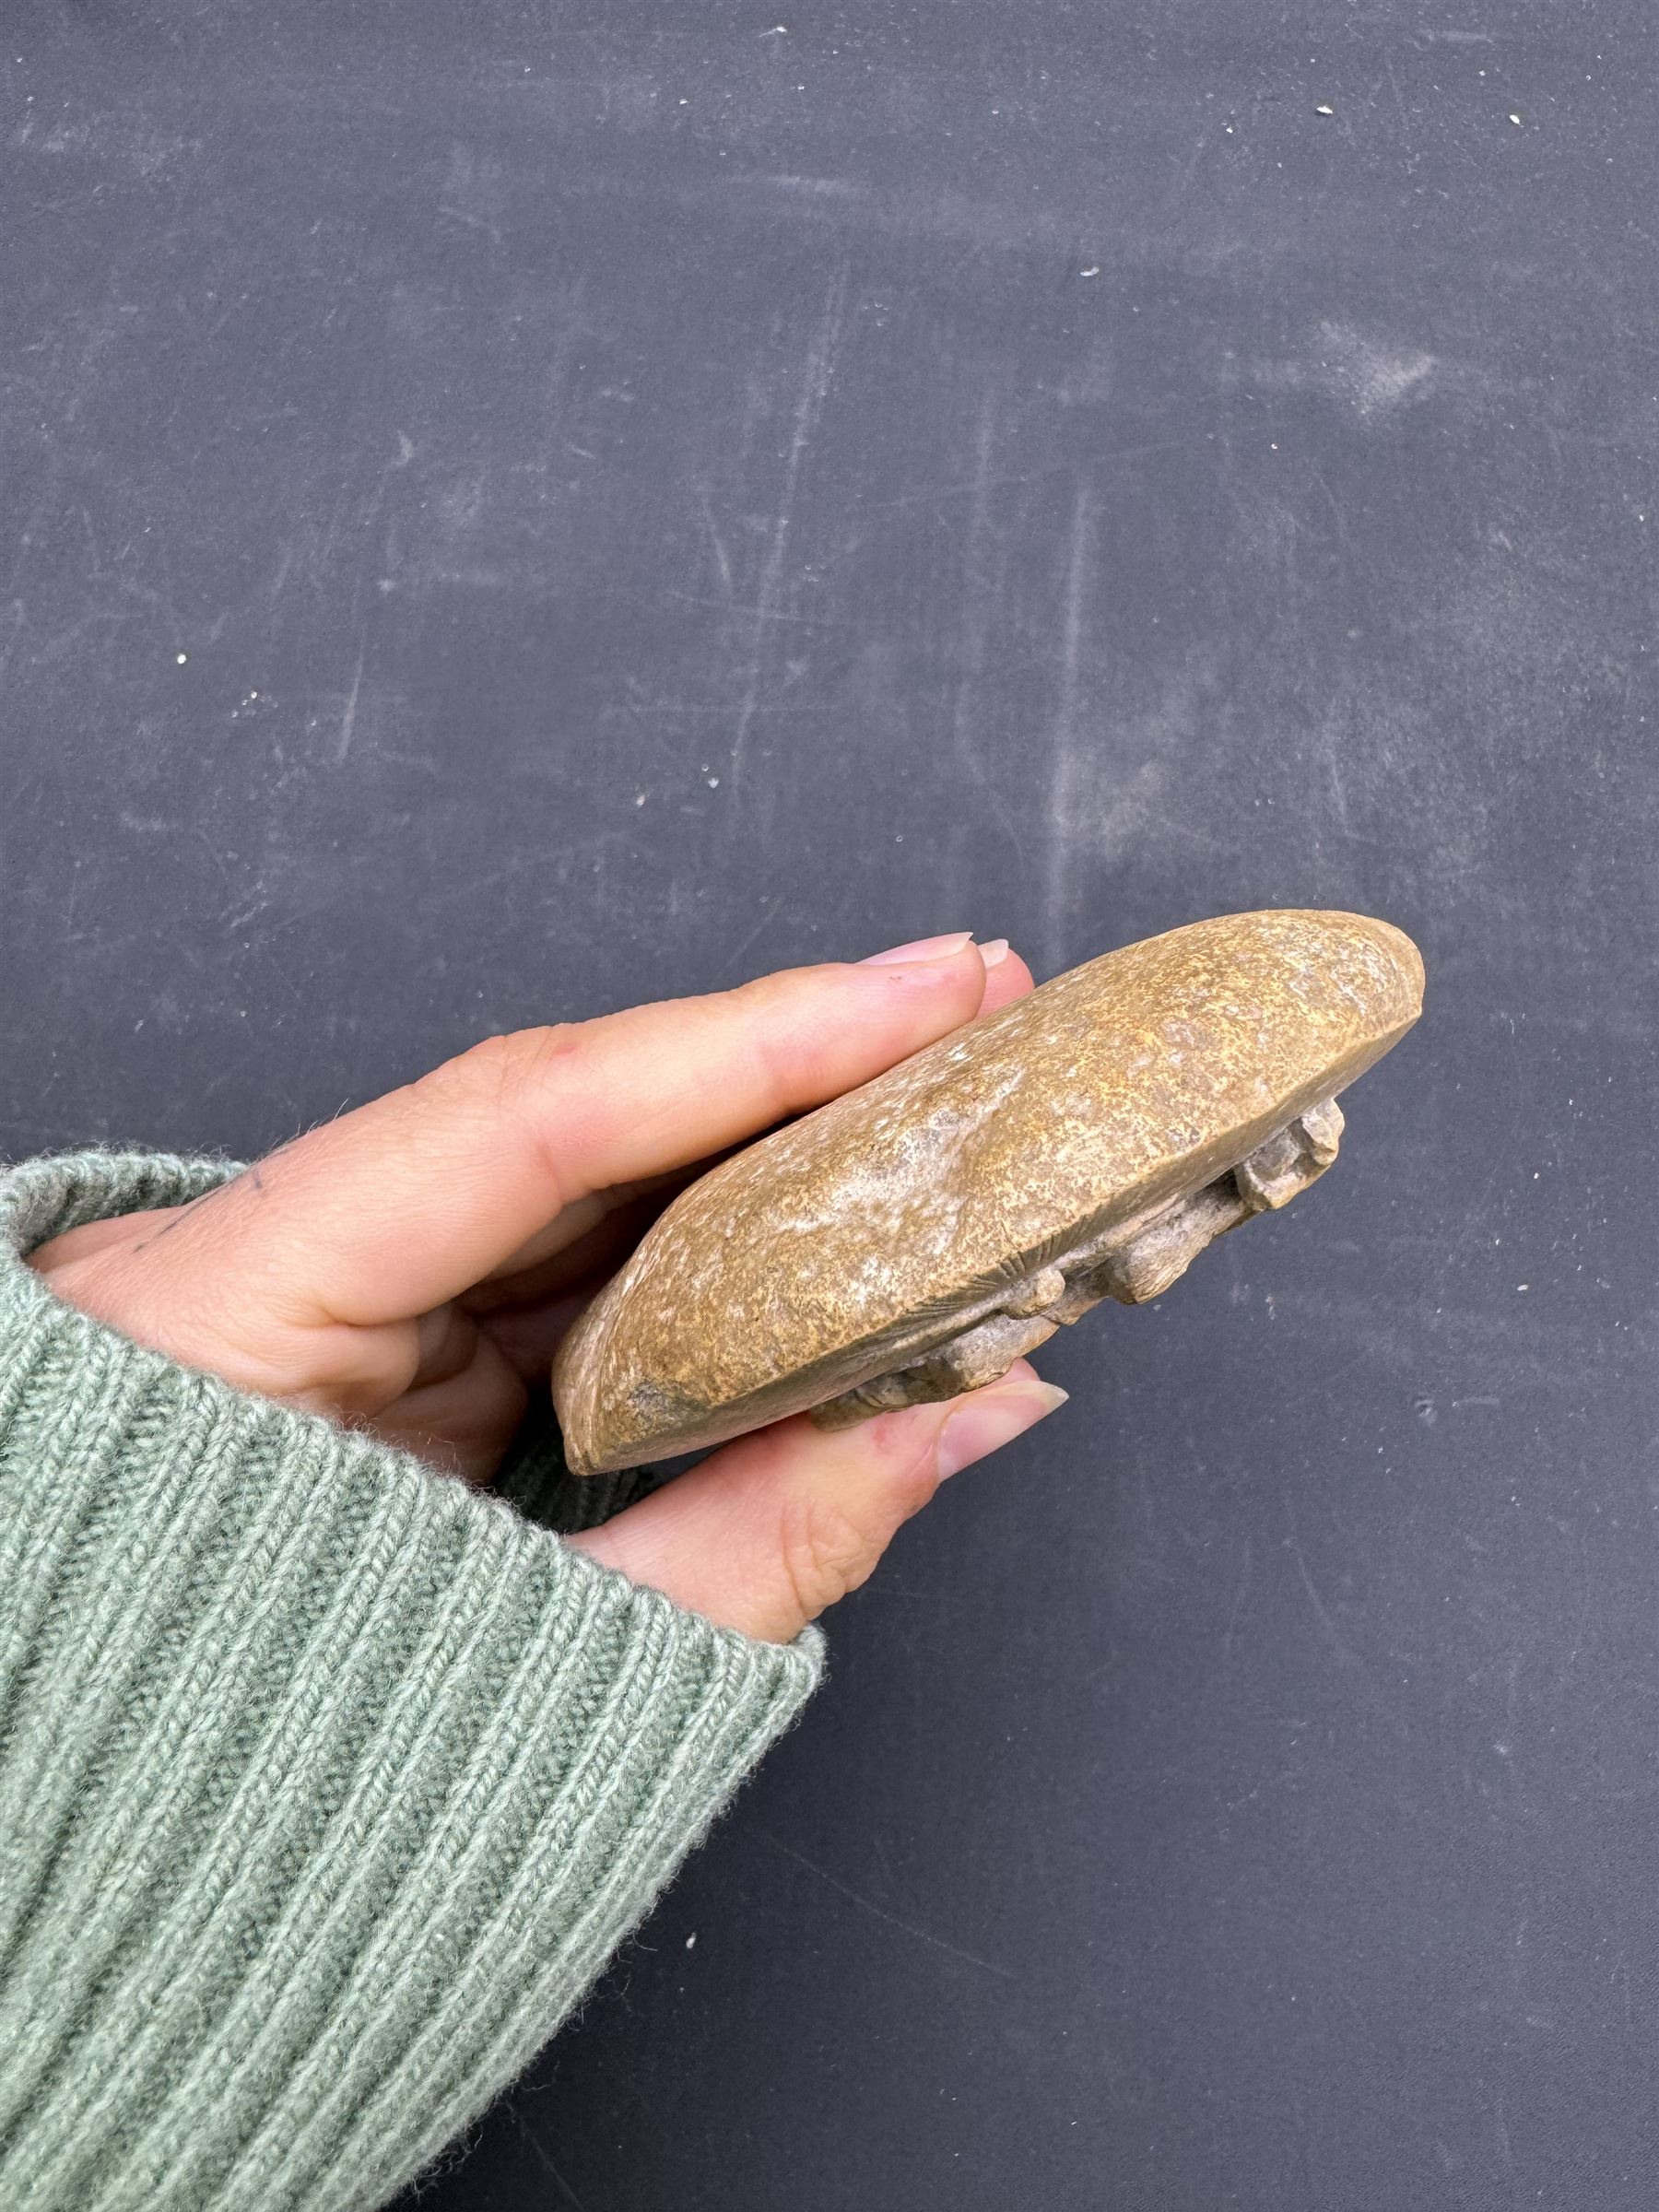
x=408, y=1268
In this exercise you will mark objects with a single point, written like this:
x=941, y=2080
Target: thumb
x=766, y=1533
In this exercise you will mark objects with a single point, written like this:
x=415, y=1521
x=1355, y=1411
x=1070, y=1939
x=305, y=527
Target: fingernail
x=996, y=953
x=983, y=1423
x=924, y=948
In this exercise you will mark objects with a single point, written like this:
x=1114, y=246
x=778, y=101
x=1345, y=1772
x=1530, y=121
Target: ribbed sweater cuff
x=327, y=1782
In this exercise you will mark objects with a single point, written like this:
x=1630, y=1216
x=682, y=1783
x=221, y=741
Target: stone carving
x=1134, y=1261
x=911, y=1239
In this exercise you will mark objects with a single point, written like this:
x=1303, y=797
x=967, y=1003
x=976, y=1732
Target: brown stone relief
x=909, y=1240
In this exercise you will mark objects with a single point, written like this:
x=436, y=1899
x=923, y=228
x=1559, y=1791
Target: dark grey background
x=646, y=496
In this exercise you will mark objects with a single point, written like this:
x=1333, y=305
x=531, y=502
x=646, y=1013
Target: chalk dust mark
x=472, y=222
x=1373, y=375
x=817, y=188
x=1069, y=737
x=892, y=1919
x=816, y=373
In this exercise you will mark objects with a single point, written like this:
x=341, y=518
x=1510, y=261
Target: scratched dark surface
x=511, y=511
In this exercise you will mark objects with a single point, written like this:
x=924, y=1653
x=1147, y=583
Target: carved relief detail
x=1132, y=1261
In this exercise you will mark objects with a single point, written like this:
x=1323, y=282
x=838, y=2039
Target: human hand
x=408, y=1268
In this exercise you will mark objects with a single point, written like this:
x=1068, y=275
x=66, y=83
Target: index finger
x=413, y=1198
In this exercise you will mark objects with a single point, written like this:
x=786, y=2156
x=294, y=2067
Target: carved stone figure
x=912, y=1238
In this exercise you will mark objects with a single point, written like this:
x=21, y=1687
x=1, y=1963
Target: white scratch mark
x=766, y=614
x=891, y=1919
x=1067, y=734
x=349, y=719
x=976, y=484
x=545, y=2157
x=814, y=385
x=1333, y=1636
x=1242, y=1593
x=765, y=922
x=722, y=559
x=977, y=597
x=1320, y=1614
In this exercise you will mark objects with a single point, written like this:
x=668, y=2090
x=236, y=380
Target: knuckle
x=501, y=1069
x=826, y=1553
x=783, y=1050
x=522, y=1081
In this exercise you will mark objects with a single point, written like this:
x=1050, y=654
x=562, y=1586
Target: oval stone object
x=914, y=1237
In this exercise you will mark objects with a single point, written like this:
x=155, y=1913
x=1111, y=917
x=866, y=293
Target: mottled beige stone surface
x=914, y=1237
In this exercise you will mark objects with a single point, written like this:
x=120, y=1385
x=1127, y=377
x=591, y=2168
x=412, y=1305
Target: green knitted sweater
x=327, y=1784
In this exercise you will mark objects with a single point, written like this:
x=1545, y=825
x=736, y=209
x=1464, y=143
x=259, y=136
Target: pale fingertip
x=1007, y=979
x=920, y=948
x=995, y=953
x=985, y=1420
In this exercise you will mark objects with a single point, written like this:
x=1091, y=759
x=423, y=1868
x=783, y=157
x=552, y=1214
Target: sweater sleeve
x=327, y=1782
